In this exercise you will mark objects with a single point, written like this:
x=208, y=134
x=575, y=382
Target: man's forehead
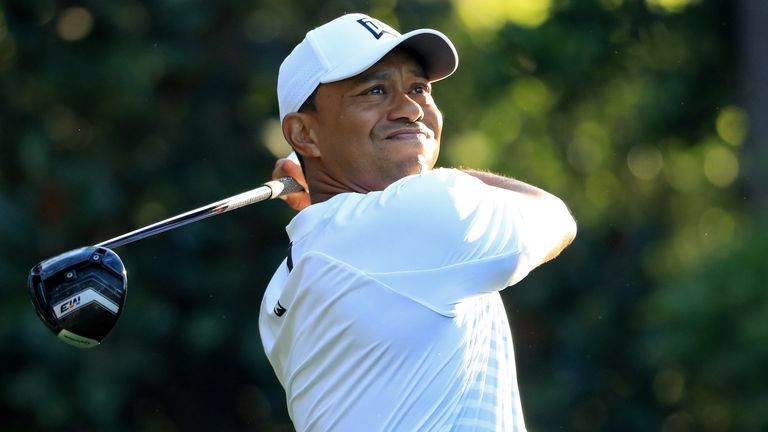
x=397, y=58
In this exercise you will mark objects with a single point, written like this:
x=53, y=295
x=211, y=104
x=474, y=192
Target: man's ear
x=298, y=130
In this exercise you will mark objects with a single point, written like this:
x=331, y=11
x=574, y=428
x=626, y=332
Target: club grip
x=283, y=186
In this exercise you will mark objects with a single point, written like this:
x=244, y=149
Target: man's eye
x=377, y=90
x=422, y=89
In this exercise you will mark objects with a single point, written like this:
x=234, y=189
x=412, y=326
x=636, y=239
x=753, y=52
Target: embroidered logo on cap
x=377, y=28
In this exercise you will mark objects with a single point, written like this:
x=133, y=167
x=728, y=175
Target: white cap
x=348, y=46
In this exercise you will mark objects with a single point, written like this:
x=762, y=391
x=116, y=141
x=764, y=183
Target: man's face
x=379, y=126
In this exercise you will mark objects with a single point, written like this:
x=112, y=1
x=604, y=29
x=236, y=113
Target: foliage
x=705, y=332
x=117, y=114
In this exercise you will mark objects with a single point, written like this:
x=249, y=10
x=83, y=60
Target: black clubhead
x=80, y=294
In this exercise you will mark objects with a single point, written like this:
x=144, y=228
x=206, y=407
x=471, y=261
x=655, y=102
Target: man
x=386, y=314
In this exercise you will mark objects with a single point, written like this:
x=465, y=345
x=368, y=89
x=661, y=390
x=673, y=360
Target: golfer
x=386, y=314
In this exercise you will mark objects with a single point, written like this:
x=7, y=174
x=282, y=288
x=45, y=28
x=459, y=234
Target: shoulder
x=442, y=185
x=436, y=178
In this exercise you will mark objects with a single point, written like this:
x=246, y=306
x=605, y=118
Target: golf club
x=80, y=294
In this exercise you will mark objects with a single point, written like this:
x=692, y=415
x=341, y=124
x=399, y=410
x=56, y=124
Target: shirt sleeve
x=438, y=237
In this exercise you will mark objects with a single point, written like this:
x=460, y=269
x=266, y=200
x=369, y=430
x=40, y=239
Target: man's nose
x=406, y=108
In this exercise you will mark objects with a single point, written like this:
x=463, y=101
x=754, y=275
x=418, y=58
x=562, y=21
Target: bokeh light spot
x=721, y=167
x=532, y=95
x=683, y=172
x=732, y=124
x=492, y=14
x=75, y=23
x=670, y=5
x=645, y=162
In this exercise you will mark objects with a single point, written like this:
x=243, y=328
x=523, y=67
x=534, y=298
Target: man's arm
x=561, y=226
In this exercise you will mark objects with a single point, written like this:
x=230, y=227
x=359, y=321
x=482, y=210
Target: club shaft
x=269, y=190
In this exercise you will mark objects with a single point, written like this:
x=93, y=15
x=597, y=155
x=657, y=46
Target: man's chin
x=404, y=163
x=413, y=168
x=426, y=163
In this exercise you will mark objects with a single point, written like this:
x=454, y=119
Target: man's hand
x=289, y=167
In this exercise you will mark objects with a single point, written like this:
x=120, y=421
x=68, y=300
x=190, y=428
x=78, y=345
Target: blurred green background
x=647, y=116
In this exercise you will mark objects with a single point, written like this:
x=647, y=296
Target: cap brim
x=432, y=49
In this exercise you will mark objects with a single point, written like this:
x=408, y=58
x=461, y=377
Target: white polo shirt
x=391, y=318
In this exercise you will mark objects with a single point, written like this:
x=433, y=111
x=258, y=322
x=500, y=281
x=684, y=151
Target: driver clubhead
x=79, y=294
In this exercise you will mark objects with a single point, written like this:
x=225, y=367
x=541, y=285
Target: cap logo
x=376, y=28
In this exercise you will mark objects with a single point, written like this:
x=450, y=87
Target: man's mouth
x=410, y=134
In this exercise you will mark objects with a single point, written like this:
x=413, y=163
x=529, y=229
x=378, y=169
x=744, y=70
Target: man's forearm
x=563, y=226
